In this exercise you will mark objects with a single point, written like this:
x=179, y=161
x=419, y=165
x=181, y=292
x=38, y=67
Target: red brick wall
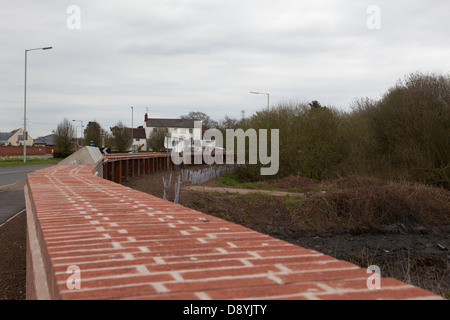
x=132, y=245
x=31, y=151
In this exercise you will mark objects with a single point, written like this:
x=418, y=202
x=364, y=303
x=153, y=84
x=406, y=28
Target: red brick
x=124, y=280
x=119, y=292
x=202, y=257
x=218, y=284
x=204, y=261
x=324, y=275
x=287, y=260
x=329, y=264
x=217, y=273
x=382, y=294
x=262, y=292
x=168, y=296
x=287, y=251
x=357, y=284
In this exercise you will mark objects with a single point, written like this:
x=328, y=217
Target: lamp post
x=132, y=130
x=81, y=131
x=25, y=134
x=268, y=102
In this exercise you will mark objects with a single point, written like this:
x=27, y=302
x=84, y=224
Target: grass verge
x=11, y=161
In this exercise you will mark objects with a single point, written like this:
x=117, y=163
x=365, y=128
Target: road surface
x=12, y=181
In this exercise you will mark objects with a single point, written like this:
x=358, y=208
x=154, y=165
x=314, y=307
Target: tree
x=228, y=123
x=157, y=138
x=207, y=122
x=320, y=141
x=121, y=137
x=315, y=105
x=64, y=136
x=411, y=126
x=94, y=133
x=310, y=142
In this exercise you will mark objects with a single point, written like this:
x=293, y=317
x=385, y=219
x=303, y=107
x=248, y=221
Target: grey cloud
x=176, y=56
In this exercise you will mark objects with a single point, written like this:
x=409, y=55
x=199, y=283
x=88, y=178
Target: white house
x=139, y=138
x=176, y=131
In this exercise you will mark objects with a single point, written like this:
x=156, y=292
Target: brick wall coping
x=123, y=156
x=132, y=245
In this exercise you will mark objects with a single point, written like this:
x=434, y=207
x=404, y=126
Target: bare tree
x=157, y=138
x=64, y=136
x=228, y=123
x=207, y=122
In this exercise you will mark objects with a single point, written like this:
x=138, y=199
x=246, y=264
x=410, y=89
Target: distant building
x=15, y=138
x=176, y=131
x=45, y=141
x=139, y=138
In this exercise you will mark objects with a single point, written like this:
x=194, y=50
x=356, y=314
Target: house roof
x=139, y=133
x=5, y=135
x=170, y=123
x=46, y=140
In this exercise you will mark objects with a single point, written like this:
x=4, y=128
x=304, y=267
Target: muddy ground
x=13, y=258
x=414, y=253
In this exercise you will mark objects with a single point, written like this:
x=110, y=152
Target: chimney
x=146, y=117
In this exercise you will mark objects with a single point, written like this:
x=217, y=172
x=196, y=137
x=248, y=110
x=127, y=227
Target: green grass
x=10, y=161
x=231, y=180
x=447, y=294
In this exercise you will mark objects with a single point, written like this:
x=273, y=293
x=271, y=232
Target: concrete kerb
x=36, y=275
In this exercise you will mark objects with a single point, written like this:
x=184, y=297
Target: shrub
x=61, y=155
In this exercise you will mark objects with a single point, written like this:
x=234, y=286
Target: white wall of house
x=140, y=142
x=179, y=134
x=186, y=133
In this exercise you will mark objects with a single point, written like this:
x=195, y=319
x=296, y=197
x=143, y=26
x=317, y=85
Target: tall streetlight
x=132, y=130
x=81, y=130
x=268, y=102
x=25, y=134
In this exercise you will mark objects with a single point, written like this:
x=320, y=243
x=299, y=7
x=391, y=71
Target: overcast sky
x=173, y=57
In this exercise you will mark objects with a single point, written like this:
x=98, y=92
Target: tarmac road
x=12, y=182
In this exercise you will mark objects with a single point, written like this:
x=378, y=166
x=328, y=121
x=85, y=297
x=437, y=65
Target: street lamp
x=268, y=102
x=25, y=135
x=132, y=130
x=81, y=131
